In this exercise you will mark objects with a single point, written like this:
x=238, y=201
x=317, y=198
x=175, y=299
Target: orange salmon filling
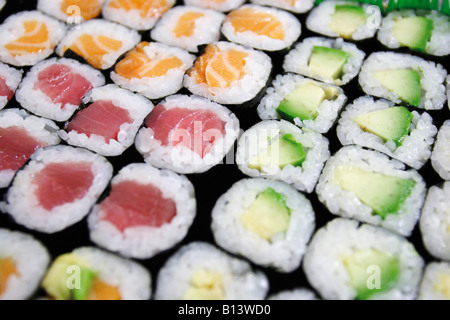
x=7, y=269
x=262, y=24
x=34, y=40
x=89, y=9
x=186, y=24
x=103, y=291
x=147, y=8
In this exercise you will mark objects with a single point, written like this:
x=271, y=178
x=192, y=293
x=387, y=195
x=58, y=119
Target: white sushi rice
x=37, y=102
x=448, y=92
x=346, y=204
x=158, y=87
x=440, y=158
x=182, y=159
x=138, y=108
x=296, y=6
x=256, y=72
x=30, y=259
x=2, y=4
x=12, y=78
x=440, y=36
x=144, y=242
x=240, y=282
x=294, y=294
x=283, y=85
x=23, y=204
x=415, y=149
x=297, y=60
x=12, y=29
x=327, y=273
x=284, y=251
x=41, y=129
x=432, y=77
x=433, y=286
x=72, y=14
x=223, y=6
x=289, y=24
x=435, y=221
x=206, y=29
x=258, y=138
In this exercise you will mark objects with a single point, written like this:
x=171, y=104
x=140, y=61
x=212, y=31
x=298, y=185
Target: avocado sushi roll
x=347, y=260
x=294, y=294
x=221, y=5
x=440, y=157
x=435, y=284
x=295, y=6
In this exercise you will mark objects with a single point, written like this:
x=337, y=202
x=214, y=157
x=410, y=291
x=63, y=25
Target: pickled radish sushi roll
x=294, y=294
x=229, y=73
x=21, y=135
x=153, y=69
x=435, y=284
x=88, y=273
x=307, y=103
x=9, y=81
x=71, y=11
x=54, y=88
x=394, y=130
x=280, y=150
x=146, y=211
x=187, y=134
x=23, y=263
x=366, y=185
x=266, y=221
x=57, y=188
x=219, y=5
x=199, y=271
x=109, y=121
x=263, y=28
x=404, y=79
x=347, y=260
x=28, y=37
x=440, y=158
x=327, y=60
x=296, y=6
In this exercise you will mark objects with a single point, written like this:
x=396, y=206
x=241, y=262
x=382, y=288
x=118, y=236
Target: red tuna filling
x=5, y=90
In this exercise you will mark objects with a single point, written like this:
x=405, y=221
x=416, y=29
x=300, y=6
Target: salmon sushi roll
x=219, y=5
x=9, y=81
x=440, y=157
x=71, y=11
x=108, y=122
x=57, y=188
x=295, y=6
x=147, y=211
x=435, y=284
x=54, y=88
x=29, y=37
x=153, y=69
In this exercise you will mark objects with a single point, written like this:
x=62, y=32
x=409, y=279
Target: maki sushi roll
x=327, y=60
x=347, y=260
x=88, y=273
x=146, y=211
x=345, y=19
x=419, y=30
x=28, y=37
x=21, y=135
x=368, y=186
x=57, y=188
x=187, y=134
x=394, y=130
x=435, y=284
x=296, y=6
x=153, y=69
x=109, y=121
x=199, y=271
x=74, y=11
x=55, y=87
x=188, y=27
x=228, y=73
x=294, y=294
x=280, y=150
x=263, y=28
x=266, y=221
x=222, y=5
x=9, y=81
x=23, y=263
x=440, y=158
x=404, y=79
x=307, y=103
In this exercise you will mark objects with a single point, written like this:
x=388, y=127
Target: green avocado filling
x=413, y=32
x=327, y=63
x=405, y=83
x=346, y=19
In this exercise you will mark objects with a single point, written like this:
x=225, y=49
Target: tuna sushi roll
x=219, y=5
x=55, y=87
x=146, y=211
x=22, y=134
x=229, y=73
x=57, y=188
x=327, y=60
x=394, y=130
x=294, y=294
x=435, y=284
x=98, y=42
x=28, y=37
x=136, y=14
x=153, y=69
x=296, y=6
x=440, y=158
x=88, y=273
x=282, y=151
x=188, y=27
x=266, y=221
x=307, y=103
x=109, y=121
x=9, y=81
x=187, y=134
x=404, y=79
x=419, y=30
x=261, y=27
x=347, y=260
x=199, y=271
x=23, y=263
x=71, y=11
x=368, y=186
